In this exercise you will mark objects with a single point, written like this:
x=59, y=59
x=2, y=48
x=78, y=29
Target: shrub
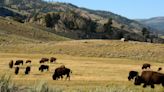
x=6, y=85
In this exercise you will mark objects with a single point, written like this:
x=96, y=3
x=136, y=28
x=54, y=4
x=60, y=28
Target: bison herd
x=58, y=73
x=147, y=77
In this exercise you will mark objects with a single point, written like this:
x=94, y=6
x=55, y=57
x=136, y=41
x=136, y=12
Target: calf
x=43, y=60
x=146, y=65
x=132, y=75
x=150, y=78
x=52, y=60
x=11, y=64
x=28, y=61
x=28, y=69
x=18, y=62
x=16, y=70
x=43, y=67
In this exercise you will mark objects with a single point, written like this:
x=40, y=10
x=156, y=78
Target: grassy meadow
x=97, y=65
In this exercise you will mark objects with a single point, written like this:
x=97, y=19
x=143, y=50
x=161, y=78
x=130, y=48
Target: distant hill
x=156, y=23
x=74, y=22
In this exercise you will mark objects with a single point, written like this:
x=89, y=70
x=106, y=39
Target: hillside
x=12, y=32
x=73, y=22
x=156, y=23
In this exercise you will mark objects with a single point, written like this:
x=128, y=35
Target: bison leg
x=163, y=84
x=68, y=76
x=61, y=77
x=144, y=86
x=152, y=85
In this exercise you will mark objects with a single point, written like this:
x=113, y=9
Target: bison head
x=138, y=80
x=54, y=77
x=129, y=78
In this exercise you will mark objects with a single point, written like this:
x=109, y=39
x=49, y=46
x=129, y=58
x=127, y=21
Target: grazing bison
x=60, y=71
x=52, y=59
x=43, y=67
x=160, y=68
x=18, y=62
x=28, y=69
x=145, y=66
x=44, y=60
x=150, y=78
x=11, y=64
x=16, y=70
x=28, y=61
x=132, y=74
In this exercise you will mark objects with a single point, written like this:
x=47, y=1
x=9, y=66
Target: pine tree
x=48, y=20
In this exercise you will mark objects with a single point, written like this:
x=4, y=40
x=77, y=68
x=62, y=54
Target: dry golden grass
x=93, y=48
x=97, y=65
x=89, y=73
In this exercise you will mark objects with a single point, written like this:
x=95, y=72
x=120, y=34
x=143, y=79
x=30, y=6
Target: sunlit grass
x=90, y=74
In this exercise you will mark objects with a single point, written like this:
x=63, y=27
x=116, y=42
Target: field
x=91, y=73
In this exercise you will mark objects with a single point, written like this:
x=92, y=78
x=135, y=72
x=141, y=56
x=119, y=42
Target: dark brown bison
x=28, y=61
x=43, y=67
x=60, y=71
x=146, y=65
x=18, y=62
x=53, y=60
x=16, y=70
x=28, y=69
x=43, y=60
x=160, y=68
x=150, y=78
x=11, y=63
x=132, y=75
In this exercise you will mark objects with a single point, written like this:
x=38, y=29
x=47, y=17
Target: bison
x=60, y=71
x=150, y=78
x=28, y=69
x=146, y=65
x=28, y=61
x=11, y=64
x=18, y=62
x=132, y=75
x=43, y=60
x=16, y=70
x=52, y=60
x=43, y=67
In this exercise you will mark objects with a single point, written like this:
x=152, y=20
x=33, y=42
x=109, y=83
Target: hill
x=73, y=22
x=12, y=32
x=156, y=23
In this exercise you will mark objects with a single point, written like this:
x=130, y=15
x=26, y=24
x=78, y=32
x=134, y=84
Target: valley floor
x=90, y=74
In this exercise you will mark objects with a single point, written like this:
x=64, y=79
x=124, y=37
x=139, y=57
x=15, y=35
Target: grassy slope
x=93, y=48
x=14, y=32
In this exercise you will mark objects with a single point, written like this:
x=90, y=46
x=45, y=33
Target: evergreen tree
x=145, y=32
x=108, y=26
x=48, y=20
